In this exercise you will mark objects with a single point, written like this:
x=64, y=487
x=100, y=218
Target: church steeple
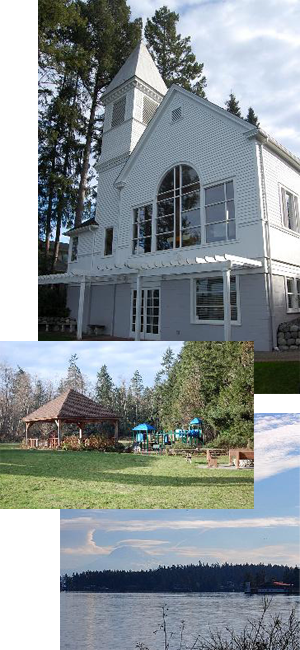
x=130, y=100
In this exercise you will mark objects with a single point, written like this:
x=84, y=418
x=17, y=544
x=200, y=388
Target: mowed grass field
x=61, y=479
x=277, y=377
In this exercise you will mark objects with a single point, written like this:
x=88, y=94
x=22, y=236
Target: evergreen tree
x=233, y=105
x=137, y=390
x=108, y=39
x=252, y=118
x=74, y=377
x=172, y=53
x=104, y=389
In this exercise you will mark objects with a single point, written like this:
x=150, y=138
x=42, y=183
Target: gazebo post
x=58, y=430
x=116, y=436
x=80, y=430
x=26, y=431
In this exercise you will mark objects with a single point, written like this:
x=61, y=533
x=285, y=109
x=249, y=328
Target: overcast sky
x=250, y=47
x=180, y=536
x=50, y=359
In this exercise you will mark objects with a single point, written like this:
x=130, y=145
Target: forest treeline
x=196, y=578
x=82, y=45
x=213, y=381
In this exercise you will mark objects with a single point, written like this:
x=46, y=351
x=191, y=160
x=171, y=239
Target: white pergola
x=179, y=265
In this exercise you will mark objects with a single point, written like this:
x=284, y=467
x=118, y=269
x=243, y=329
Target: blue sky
x=250, y=47
x=50, y=359
x=179, y=536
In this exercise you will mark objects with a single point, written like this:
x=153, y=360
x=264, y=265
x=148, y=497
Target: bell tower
x=130, y=100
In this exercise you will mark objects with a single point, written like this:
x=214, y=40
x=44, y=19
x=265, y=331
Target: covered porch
x=138, y=271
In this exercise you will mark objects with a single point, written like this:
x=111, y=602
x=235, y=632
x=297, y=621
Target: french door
x=150, y=313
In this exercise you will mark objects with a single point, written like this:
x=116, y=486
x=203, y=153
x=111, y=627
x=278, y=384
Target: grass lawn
x=277, y=377
x=61, y=479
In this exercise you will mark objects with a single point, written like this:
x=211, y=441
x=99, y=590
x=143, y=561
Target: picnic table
x=212, y=456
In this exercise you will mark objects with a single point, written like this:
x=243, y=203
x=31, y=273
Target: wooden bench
x=212, y=456
x=95, y=330
x=240, y=454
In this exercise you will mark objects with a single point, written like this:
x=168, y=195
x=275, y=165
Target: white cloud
x=249, y=47
x=89, y=548
x=278, y=553
x=276, y=449
x=139, y=525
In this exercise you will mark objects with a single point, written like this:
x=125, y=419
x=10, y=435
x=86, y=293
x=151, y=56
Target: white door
x=150, y=313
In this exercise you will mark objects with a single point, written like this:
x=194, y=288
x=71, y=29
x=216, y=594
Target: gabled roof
x=71, y=406
x=139, y=64
x=84, y=224
x=243, y=124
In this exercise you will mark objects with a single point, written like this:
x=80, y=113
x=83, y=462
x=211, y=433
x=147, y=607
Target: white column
x=227, y=307
x=138, y=309
x=80, y=309
x=26, y=431
x=116, y=436
x=58, y=430
x=80, y=430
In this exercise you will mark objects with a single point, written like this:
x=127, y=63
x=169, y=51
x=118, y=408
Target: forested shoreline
x=213, y=381
x=189, y=578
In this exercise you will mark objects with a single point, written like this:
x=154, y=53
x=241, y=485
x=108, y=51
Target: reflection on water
x=118, y=621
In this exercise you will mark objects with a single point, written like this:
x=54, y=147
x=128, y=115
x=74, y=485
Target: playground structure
x=145, y=438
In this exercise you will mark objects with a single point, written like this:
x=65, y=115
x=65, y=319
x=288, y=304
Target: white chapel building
x=197, y=231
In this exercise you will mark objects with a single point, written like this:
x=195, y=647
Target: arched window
x=178, y=209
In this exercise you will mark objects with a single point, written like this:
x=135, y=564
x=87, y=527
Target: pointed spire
x=141, y=65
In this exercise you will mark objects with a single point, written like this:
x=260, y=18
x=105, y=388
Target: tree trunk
x=86, y=155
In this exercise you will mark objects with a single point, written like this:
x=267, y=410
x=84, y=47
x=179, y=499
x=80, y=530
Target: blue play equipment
x=145, y=436
x=193, y=435
x=141, y=434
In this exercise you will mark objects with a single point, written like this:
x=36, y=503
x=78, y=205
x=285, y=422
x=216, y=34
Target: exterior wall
x=255, y=325
x=280, y=314
x=285, y=244
x=107, y=215
x=84, y=259
x=218, y=149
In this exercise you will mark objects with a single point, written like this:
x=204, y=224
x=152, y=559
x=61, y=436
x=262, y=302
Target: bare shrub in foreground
x=265, y=633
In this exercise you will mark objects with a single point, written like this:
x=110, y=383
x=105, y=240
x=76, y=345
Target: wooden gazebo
x=74, y=408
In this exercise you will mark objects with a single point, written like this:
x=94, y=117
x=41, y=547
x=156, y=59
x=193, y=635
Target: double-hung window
x=293, y=294
x=290, y=210
x=220, y=212
x=209, y=305
x=142, y=229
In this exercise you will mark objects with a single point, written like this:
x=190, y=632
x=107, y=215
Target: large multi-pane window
x=209, y=299
x=178, y=209
x=220, y=212
x=290, y=210
x=293, y=294
x=142, y=229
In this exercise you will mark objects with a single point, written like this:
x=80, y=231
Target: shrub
x=72, y=443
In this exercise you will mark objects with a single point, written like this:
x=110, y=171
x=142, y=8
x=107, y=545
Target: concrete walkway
x=290, y=355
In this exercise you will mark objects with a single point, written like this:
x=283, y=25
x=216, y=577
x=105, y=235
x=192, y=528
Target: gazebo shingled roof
x=72, y=407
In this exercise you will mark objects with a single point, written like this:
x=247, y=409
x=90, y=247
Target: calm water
x=118, y=621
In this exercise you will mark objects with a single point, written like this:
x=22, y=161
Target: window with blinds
x=209, y=299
